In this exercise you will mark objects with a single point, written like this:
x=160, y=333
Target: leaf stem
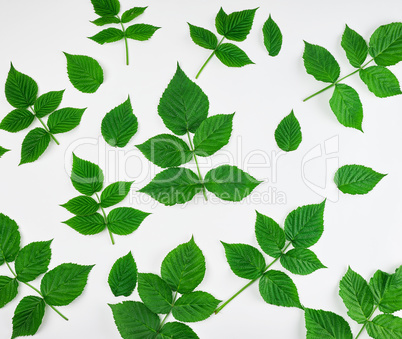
x=338, y=81
x=167, y=314
x=198, y=168
x=105, y=219
x=209, y=58
x=45, y=127
x=37, y=291
x=125, y=39
x=364, y=325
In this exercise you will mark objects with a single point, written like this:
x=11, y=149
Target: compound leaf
x=125, y=220
x=114, y=193
x=380, y=81
x=194, y=306
x=34, y=144
x=288, y=134
x=355, y=47
x=272, y=37
x=47, y=103
x=86, y=177
x=123, y=276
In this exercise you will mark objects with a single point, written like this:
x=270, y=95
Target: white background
x=361, y=231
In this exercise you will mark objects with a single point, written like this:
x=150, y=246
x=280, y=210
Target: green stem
x=125, y=39
x=209, y=58
x=37, y=291
x=198, y=167
x=338, y=81
x=45, y=127
x=105, y=219
x=166, y=316
x=364, y=325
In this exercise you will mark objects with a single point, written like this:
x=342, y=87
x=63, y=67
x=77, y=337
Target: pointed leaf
x=232, y=56
x=21, y=90
x=87, y=225
x=81, y=205
x=301, y=261
x=106, y=20
x=108, y=35
x=8, y=290
x=125, y=220
x=380, y=81
x=176, y=330
x=114, y=193
x=379, y=284
x=47, y=103
x=65, y=119
x=140, y=32
x=132, y=13
x=272, y=37
x=34, y=144
x=17, y=120
x=270, y=236
x=194, y=306
x=86, y=177
x=203, y=37
x=106, y=7
x=123, y=276
x=355, y=47
x=288, y=134
x=220, y=21
x=155, y=293
x=3, y=151
x=386, y=44
x=385, y=326
x=9, y=239
x=326, y=325
x=392, y=298
x=28, y=316
x=237, y=25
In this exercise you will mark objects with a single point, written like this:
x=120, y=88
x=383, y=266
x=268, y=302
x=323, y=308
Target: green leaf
x=276, y=288
x=21, y=90
x=17, y=120
x=47, y=103
x=108, y=35
x=385, y=44
x=237, y=25
x=63, y=284
x=244, y=260
x=33, y=260
x=114, y=193
x=132, y=13
x=288, y=134
x=347, y=107
x=320, y=63
x=106, y=20
x=301, y=261
x=184, y=267
x=86, y=177
x=87, y=225
x=183, y=105
x=34, y=144
x=119, y=125
x=140, y=32
x=155, y=293
x=8, y=290
x=173, y=186
x=232, y=56
x=392, y=298
x=84, y=72
x=176, y=330
x=213, y=133
x=230, y=183
x=166, y=150
x=270, y=236
x=220, y=21
x=355, y=47
x=272, y=37
x=9, y=239
x=304, y=225
x=385, y=326
x=379, y=284
x=357, y=296
x=380, y=81
x=125, y=220
x=134, y=320
x=326, y=325
x=106, y=7
x=65, y=119
x=356, y=179
x=203, y=37
x=123, y=276
x=3, y=151
x=28, y=316
x=81, y=205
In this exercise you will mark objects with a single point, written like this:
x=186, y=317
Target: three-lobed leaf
x=232, y=56
x=301, y=261
x=194, y=306
x=385, y=44
x=34, y=144
x=155, y=293
x=355, y=47
x=380, y=81
x=108, y=35
x=28, y=316
x=47, y=103
x=86, y=177
x=140, y=32
x=270, y=236
x=203, y=37
x=272, y=37
x=17, y=120
x=8, y=290
x=9, y=239
x=81, y=205
x=123, y=276
x=288, y=134
x=65, y=119
x=125, y=220
x=114, y=193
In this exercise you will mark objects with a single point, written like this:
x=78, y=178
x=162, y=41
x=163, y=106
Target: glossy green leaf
x=34, y=144
x=301, y=261
x=82, y=205
x=125, y=220
x=203, y=37
x=115, y=193
x=47, y=103
x=386, y=44
x=17, y=120
x=108, y=35
x=232, y=56
x=123, y=276
x=288, y=134
x=355, y=47
x=272, y=37
x=385, y=326
x=87, y=225
x=270, y=236
x=155, y=293
x=326, y=325
x=380, y=81
x=176, y=330
x=106, y=20
x=106, y=7
x=8, y=290
x=140, y=32
x=86, y=177
x=9, y=239
x=28, y=316
x=132, y=13
x=65, y=119
x=237, y=25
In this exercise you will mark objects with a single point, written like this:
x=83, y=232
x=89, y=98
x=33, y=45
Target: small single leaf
x=108, y=35
x=34, y=144
x=17, y=120
x=355, y=47
x=132, y=13
x=166, y=150
x=47, y=103
x=87, y=225
x=270, y=236
x=220, y=21
x=33, y=260
x=183, y=268
x=106, y=7
x=125, y=220
x=356, y=179
x=123, y=276
x=232, y=56
x=304, y=225
x=380, y=81
x=276, y=288
x=392, y=299
x=140, y=32
x=114, y=193
x=21, y=90
x=155, y=293
x=28, y=316
x=63, y=284
x=82, y=205
x=347, y=107
x=3, y=151
x=385, y=44
x=176, y=330
x=86, y=177
x=106, y=20
x=194, y=306
x=9, y=239
x=183, y=105
x=203, y=37
x=230, y=183
x=173, y=186
x=65, y=119
x=84, y=72
x=326, y=325
x=213, y=133
x=385, y=326
x=301, y=261
x=237, y=25
x=320, y=63
x=8, y=290
x=134, y=320
x=272, y=37
x=288, y=134
x=357, y=296
x=119, y=125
